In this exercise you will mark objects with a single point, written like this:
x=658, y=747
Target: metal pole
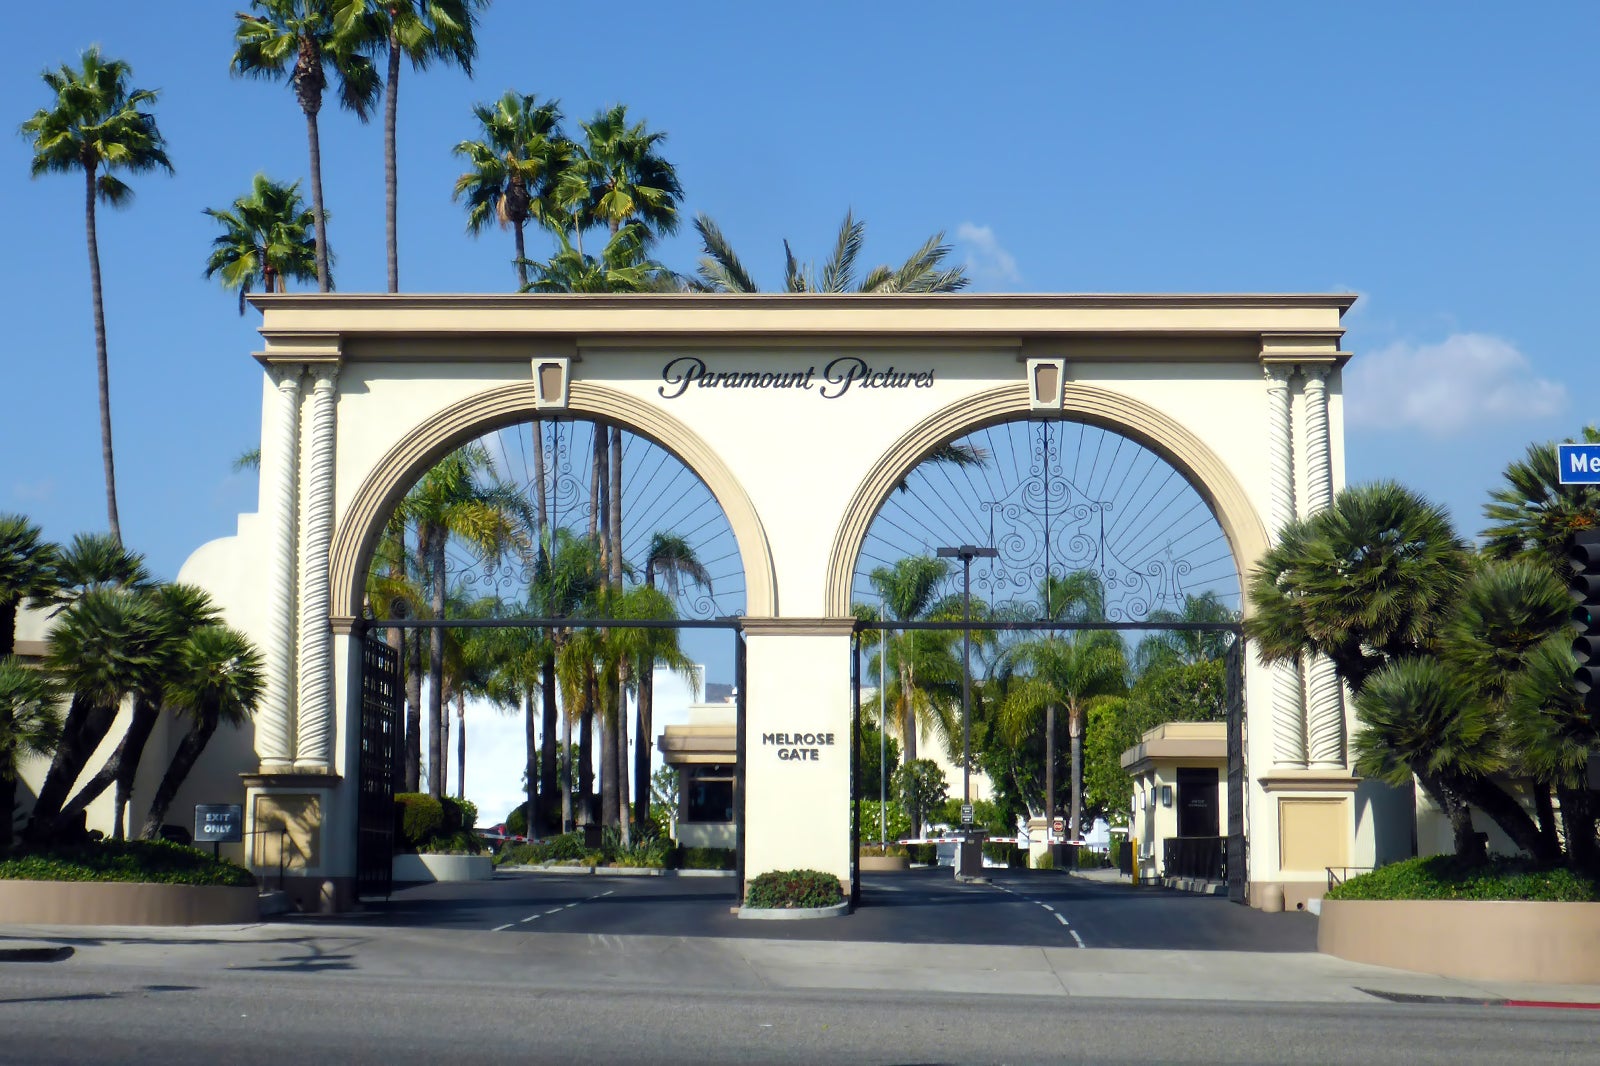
x=966, y=682
x=883, y=732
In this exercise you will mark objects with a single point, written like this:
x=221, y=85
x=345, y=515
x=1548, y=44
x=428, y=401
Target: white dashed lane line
x=552, y=910
x=1076, y=939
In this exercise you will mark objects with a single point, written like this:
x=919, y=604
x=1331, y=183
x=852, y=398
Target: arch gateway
x=800, y=414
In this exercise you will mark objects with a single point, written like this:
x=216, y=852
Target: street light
x=966, y=553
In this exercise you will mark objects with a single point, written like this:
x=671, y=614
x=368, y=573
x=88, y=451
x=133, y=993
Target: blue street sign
x=1579, y=463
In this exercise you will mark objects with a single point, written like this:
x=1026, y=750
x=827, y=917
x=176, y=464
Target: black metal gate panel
x=1238, y=869
x=380, y=706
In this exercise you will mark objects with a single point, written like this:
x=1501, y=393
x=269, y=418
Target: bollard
x=1271, y=898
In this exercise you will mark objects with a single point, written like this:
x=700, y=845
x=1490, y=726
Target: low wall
x=411, y=869
x=125, y=903
x=708, y=834
x=883, y=863
x=1508, y=941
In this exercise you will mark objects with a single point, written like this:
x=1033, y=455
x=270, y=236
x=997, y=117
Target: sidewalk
x=609, y=963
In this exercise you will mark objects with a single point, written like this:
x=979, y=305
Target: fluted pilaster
x=1288, y=705
x=279, y=462
x=1325, y=705
x=314, y=722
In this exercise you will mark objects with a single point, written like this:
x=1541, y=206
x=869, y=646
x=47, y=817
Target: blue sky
x=1441, y=160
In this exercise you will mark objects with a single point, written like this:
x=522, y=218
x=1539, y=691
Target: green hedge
x=1446, y=877
x=706, y=858
x=789, y=889
x=418, y=817
x=158, y=862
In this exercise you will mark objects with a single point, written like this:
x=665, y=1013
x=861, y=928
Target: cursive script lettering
x=838, y=377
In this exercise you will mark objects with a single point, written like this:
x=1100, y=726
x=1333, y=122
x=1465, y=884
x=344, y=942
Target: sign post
x=219, y=823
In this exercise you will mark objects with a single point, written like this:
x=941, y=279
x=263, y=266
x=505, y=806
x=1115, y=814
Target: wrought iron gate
x=380, y=704
x=1237, y=854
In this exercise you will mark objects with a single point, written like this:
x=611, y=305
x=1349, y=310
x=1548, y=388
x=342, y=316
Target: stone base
x=421, y=869
x=1492, y=941
x=125, y=903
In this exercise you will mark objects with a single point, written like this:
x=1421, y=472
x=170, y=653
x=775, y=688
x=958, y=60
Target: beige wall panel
x=1313, y=833
x=301, y=848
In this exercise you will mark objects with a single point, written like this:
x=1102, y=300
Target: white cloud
x=1447, y=388
x=986, y=260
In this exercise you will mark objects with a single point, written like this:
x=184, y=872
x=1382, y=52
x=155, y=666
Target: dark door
x=1197, y=802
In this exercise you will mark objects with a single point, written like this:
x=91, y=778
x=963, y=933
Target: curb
x=794, y=914
x=611, y=871
x=55, y=953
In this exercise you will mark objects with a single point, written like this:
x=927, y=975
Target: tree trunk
x=541, y=501
x=121, y=767
x=586, y=752
x=1049, y=761
x=85, y=728
x=566, y=767
x=436, y=727
x=413, y=761
x=522, y=257
x=615, y=501
x=1545, y=814
x=324, y=282
x=908, y=712
x=606, y=687
x=102, y=369
x=1578, y=818
x=8, y=767
x=531, y=779
x=1507, y=813
x=622, y=767
x=644, y=740
x=183, y=760
x=1468, y=844
x=594, y=487
x=391, y=108
x=461, y=746
x=553, y=798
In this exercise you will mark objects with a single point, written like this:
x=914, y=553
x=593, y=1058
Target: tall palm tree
x=267, y=238
x=30, y=724
x=567, y=576
x=675, y=560
x=218, y=682
x=514, y=164
x=922, y=271
x=1184, y=647
x=908, y=589
x=460, y=497
x=303, y=40
x=422, y=31
x=618, y=177
x=98, y=125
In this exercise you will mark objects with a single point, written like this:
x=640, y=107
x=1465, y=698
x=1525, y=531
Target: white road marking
x=1076, y=937
x=1059, y=918
x=1047, y=907
x=552, y=910
x=502, y=928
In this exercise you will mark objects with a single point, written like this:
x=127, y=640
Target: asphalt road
x=928, y=906
x=58, y=1014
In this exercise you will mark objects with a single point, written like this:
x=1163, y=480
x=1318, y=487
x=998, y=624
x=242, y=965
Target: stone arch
x=1211, y=478
x=389, y=479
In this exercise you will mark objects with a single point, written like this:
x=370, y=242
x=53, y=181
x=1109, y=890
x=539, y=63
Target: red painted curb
x=1550, y=1003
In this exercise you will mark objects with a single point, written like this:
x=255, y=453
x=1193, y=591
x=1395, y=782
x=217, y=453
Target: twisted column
x=315, y=720
x=279, y=460
x=1325, y=707
x=1288, y=708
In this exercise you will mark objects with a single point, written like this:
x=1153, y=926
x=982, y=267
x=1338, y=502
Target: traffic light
x=1584, y=557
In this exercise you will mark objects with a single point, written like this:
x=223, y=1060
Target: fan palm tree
x=922, y=272
x=98, y=125
x=93, y=561
x=1533, y=513
x=181, y=609
x=514, y=165
x=422, y=31
x=1368, y=580
x=218, y=682
x=30, y=724
x=618, y=177
x=27, y=572
x=1556, y=739
x=622, y=266
x=908, y=589
x=1183, y=647
x=303, y=40
x=671, y=556
x=267, y=238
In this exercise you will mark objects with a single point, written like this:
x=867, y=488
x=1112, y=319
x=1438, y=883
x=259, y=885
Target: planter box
x=125, y=903
x=415, y=869
x=1507, y=941
x=871, y=864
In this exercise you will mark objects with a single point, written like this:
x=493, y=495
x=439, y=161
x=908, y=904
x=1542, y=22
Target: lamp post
x=970, y=864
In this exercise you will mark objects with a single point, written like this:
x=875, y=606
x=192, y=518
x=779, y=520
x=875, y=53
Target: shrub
x=461, y=842
x=892, y=851
x=998, y=852
x=899, y=825
x=158, y=862
x=794, y=888
x=459, y=814
x=516, y=822
x=1446, y=877
x=418, y=817
x=707, y=858
x=1089, y=859
x=1044, y=861
x=923, y=854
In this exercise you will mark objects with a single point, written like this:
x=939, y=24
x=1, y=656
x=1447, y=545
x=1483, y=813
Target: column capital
x=285, y=376
x=324, y=376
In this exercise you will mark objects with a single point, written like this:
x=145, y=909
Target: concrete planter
x=873, y=864
x=790, y=914
x=125, y=903
x=415, y=869
x=1507, y=941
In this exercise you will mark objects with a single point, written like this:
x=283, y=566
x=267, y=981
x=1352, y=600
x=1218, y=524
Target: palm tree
x=454, y=500
x=27, y=572
x=908, y=589
x=94, y=561
x=514, y=166
x=923, y=271
x=1368, y=580
x=30, y=724
x=421, y=31
x=218, y=682
x=618, y=177
x=1534, y=513
x=180, y=610
x=675, y=560
x=303, y=40
x=567, y=575
x=1555, y=738
x=266, y=239
x=1184, y=647
x=98, y=125
x=622, y=266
